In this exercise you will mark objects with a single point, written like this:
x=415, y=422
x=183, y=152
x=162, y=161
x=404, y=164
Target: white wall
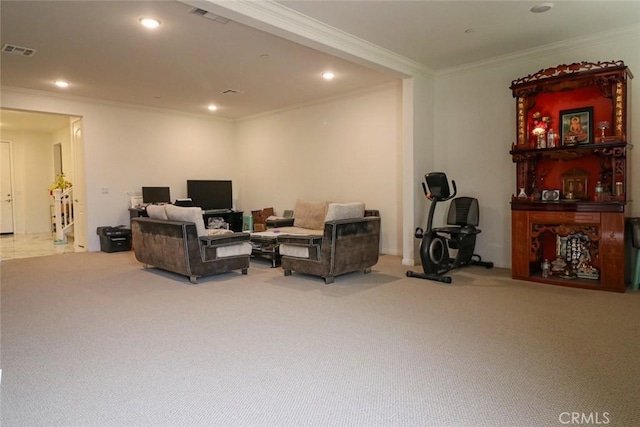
x=475, y=126
x=127, y=148
x=346, y=149
x=419, y=148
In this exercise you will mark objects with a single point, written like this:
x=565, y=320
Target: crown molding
x=549, y=49
x=5, y=90
x=279, y=20
x=334, y=98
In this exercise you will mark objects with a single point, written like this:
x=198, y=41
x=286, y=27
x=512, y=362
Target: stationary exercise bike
x=462, y=218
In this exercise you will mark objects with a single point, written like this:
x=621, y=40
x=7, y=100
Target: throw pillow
x=178, y=213
x=157, y=212
x=345, y=211
x=310, y=214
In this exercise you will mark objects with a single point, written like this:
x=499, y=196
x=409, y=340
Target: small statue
x=585, y=267
x=558, y=265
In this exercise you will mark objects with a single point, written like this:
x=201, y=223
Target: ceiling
x=186, y=63
x=445, y=34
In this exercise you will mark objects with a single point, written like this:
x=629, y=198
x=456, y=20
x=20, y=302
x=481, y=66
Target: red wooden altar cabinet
x=572, y=175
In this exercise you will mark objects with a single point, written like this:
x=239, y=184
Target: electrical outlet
x=105, y=190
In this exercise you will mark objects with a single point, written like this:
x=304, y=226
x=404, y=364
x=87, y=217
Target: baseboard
x=389, y=251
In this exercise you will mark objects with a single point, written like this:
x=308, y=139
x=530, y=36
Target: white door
x=79, y=214
x=6, y=199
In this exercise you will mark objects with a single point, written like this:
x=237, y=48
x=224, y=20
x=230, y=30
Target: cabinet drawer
x=564, y=217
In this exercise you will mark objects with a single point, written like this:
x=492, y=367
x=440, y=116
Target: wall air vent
x=232, y=92
x=18, y=50
x=210, y=16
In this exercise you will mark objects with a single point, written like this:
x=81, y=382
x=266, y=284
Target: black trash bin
x=114, y=239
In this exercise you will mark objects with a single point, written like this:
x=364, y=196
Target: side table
x=265, y=245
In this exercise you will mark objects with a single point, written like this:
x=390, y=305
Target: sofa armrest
x=224, y=239
x=301, y=246
x=353, y=243
x=299, y=239
x=214, y=248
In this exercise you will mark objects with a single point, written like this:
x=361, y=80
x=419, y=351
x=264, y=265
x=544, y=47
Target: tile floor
x=14, y=246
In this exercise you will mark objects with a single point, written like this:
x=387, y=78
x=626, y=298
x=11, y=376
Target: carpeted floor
x=93, y=339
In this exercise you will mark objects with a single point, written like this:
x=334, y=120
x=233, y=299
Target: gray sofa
x=175, y=246
x=339, y=246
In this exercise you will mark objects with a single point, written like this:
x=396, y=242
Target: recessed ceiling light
x=328, y=75
x=542, y=7
x=212, y=107
x=149, y=22
x=61, y=83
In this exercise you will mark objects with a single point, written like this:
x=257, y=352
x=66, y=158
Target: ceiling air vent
x=232, y=92
x=18, y=50
x=210, y=16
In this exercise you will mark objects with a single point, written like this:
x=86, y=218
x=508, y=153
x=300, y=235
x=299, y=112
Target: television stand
x=233, y=218
x=216, y=211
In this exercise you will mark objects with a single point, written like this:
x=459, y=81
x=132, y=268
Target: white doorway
x=42, y=145
x=79, y=212
x=6, y=188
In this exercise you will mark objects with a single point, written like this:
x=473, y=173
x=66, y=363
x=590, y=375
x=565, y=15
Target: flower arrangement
x=540, y=123
x=537, y=131
x=60, y=183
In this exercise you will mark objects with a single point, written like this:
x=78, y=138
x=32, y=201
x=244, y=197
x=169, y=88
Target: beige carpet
x=93, y=339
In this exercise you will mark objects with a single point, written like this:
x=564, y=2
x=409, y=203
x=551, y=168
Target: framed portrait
x=576, y=126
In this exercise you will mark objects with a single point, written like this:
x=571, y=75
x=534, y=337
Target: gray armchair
x=176, y=245
x=345, y=246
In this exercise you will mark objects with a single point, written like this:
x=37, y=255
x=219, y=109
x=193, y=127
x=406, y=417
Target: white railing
x=63, y=208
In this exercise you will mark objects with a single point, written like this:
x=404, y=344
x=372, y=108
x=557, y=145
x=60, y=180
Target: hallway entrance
x=36, y=147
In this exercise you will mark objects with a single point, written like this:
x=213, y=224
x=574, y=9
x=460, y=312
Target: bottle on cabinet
x=546, y=267
x=551, y=139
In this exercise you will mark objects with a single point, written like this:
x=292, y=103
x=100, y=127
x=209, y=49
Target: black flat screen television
x=209, y=194
x=156, y=195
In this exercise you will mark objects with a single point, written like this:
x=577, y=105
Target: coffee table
x=265, y=245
